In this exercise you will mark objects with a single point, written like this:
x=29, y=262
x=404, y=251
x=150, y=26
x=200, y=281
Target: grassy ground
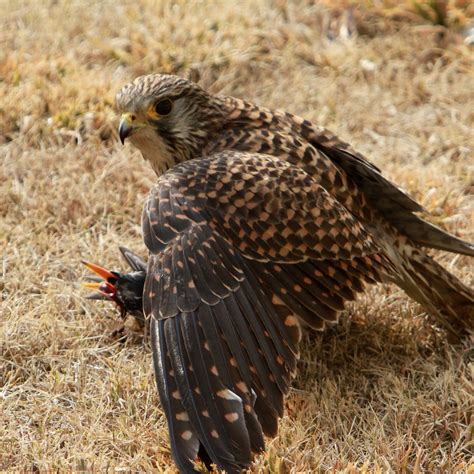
x=380, y=392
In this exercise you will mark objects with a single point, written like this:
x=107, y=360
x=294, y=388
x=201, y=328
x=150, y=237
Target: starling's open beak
x=104, y=284
x=125, y=290
x=126, y=126
x=93, y=285
x=107, y=275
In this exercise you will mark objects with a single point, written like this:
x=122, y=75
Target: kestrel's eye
x=163, y=107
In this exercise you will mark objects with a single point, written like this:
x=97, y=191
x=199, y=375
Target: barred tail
x=444, y=295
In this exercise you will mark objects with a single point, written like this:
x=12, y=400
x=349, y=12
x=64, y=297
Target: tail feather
x=447, y=298
x=428, y=235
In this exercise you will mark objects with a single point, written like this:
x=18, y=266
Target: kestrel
x=260, y=222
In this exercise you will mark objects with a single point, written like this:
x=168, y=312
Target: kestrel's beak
x=128, y=124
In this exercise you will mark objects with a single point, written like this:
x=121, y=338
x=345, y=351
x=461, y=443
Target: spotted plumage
x=262, y=222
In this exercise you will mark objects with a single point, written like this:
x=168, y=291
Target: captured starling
x=124, y=289
x=262, y=221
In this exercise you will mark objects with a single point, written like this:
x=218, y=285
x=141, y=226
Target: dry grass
x=382, y=391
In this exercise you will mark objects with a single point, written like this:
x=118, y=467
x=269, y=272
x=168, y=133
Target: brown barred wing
x=391, y=202
x=240, y=246
x=271, y=210
x=224, y=351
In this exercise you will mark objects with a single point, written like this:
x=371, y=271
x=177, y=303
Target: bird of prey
x=260, y=222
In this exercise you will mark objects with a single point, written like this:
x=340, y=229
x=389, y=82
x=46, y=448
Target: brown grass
x=380, y=392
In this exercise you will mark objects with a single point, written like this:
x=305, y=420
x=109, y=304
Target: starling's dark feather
x=97, y=296
x=136, y=263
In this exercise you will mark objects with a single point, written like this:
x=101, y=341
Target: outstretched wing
x=240, y=246
x=223, y=364
x=394, y=204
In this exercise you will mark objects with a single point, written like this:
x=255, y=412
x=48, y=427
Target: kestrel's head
x=168, y=118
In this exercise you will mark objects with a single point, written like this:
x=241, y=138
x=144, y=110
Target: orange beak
x=93, y=285
x=107, y=275
x=103, y=284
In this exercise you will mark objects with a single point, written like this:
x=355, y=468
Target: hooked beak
x=127, y=126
